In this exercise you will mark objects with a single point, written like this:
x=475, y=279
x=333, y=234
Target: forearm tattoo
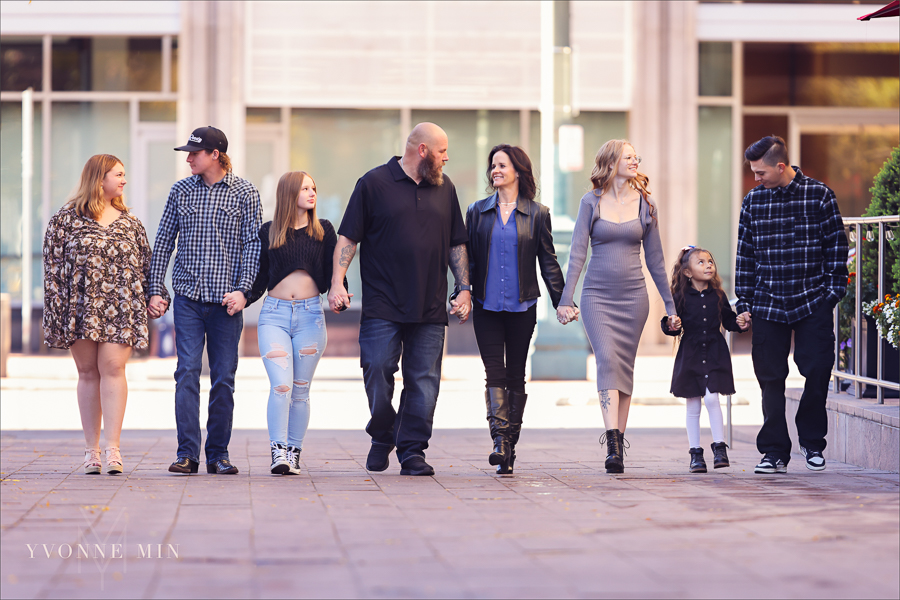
x=347, y=254
x=459, y=264
x=604, y=399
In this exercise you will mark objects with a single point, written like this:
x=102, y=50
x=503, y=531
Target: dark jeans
x=196, y=322
x=421, y=345
x=499, y=333
x=814, y=356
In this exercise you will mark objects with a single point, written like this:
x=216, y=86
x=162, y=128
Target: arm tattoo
x=459, y=264
x=347, y=254
x=604, y=399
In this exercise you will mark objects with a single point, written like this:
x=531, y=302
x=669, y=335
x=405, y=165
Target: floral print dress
x=95, y=280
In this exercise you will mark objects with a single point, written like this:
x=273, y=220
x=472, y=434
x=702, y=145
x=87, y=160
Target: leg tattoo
x=604, y=399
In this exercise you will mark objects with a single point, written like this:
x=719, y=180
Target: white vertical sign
x=571, y=148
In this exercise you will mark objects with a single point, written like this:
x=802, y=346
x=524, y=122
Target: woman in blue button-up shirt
x=509, y=233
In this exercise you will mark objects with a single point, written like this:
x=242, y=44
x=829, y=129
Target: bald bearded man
x=406, y=217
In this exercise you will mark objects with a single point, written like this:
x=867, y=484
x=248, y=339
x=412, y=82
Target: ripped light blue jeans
x=292, y=338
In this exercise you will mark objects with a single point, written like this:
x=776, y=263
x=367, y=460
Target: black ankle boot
x=623, y=445
x=614, y=463
x=698, y=465
x=720, y=457
x=516, y=412
x=497, y=402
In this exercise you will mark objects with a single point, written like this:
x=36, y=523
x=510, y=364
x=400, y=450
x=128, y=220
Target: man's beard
x=431, y=170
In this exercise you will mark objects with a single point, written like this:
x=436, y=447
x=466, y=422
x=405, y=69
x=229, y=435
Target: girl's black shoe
x=698, y=465
x=614, y=463
x=720, y=457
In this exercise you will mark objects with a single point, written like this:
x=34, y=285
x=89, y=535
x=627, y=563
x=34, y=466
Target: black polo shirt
x=405, y=232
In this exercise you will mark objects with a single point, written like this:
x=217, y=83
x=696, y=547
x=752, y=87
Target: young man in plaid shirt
x=215, y=216
x=791, y=271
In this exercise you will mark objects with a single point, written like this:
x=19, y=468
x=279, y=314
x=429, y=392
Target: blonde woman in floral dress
x=96, y=259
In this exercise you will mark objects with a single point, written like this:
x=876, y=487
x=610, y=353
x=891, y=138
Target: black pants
x=814, y=356
x=499, y=332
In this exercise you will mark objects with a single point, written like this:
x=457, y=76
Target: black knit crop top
x=298, y=252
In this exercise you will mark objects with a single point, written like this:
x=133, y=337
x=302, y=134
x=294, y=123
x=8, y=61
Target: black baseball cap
x=206, y=138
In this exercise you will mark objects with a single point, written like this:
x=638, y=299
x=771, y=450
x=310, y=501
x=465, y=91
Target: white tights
x=715, y=418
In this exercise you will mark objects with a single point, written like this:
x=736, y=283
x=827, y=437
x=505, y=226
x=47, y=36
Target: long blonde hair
x=286, y=210
x=606, y=165
x=88, y=197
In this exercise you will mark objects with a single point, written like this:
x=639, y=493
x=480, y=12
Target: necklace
x=506, y=203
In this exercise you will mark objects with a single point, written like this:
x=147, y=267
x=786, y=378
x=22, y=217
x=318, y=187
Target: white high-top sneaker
x=293, y=455
x=280, y=462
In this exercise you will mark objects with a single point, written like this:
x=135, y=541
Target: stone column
x=210, y=74
x=663, y=128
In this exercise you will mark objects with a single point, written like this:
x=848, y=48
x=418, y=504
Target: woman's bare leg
x=624, y=405
x=88, y=390
x=609, y=406
x=111, y=359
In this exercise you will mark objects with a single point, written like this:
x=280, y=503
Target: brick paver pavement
x=559, y=527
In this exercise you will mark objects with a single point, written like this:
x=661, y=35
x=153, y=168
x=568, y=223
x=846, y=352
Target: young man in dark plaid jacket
x=215, y=217
x=791, y=271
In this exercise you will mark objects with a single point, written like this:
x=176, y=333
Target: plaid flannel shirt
x=218, y=245
x=792, y=251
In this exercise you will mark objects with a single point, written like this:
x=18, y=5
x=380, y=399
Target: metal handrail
x=879, y=382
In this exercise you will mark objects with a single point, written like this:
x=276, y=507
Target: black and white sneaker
x=770, y=464
x=293, y=456
x=814, y=459
x=280, y=462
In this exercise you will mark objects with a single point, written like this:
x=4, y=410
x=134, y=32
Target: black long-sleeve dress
x=703, y=361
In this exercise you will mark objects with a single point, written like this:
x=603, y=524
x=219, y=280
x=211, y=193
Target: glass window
x=80, y=130
x=599, y=127
x=174, y=75
x=715, y=68
x=11, y=202
x=263, y=115
x=337, y=147
x=20, y=64
x=714, y=200
x=108, y=64
x=158, y=111
x=161, y=174
x=847, y=162
x=822, y=74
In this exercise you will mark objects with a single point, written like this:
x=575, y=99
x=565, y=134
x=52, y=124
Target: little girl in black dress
x=703, y=365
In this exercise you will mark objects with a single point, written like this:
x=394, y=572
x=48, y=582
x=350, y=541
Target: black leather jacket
x=535, y=241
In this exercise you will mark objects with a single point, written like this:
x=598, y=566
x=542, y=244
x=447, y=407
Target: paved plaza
x=559, y=527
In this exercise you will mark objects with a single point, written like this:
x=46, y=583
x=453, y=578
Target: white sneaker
x=814, y=459
x=770, y=464
x=293, y=455
x=280, y=463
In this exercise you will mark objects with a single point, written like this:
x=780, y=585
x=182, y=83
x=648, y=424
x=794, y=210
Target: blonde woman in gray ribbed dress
x=615, y=218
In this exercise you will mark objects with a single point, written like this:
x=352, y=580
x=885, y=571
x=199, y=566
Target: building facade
x=333, y=89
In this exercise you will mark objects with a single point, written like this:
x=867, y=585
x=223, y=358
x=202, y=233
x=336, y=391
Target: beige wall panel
x=602, y=39
x=423, y=54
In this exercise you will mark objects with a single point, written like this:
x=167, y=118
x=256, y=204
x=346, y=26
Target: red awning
x=891, y=10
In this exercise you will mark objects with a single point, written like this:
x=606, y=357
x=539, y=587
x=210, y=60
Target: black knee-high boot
x=517, y=402
x=497, y=402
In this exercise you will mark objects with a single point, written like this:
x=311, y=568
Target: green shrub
x=885, y=201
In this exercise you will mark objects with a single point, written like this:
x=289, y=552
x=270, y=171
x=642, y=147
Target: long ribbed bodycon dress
x=614, y=301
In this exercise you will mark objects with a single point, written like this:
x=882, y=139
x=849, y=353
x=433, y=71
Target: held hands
x=743, y=321
x=235, y=301
x=461, y=306
x=157, y=307
x=338, y=297
x=567, y=314
x=674, y=322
